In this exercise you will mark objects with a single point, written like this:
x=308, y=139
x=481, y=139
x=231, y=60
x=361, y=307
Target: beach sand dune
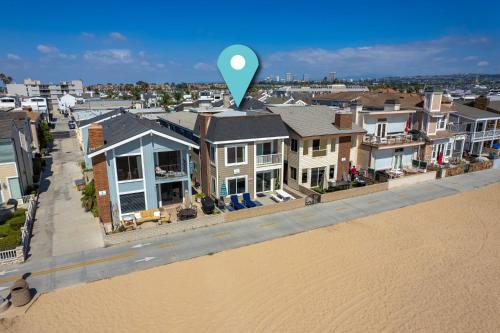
x=431, y=267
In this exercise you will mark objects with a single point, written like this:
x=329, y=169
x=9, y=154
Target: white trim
x=236, y=177
x=143, y=175
x=130, y=180
x=7, y=163
x=130, y=192
x=249, y=140
x=117, y=187
x=100, y=151
x=236, y=146
x=216, y=171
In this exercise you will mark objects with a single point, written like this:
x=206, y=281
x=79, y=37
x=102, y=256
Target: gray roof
x=184, y=119
x=312, y=120
x=241, y=125
x=6, y=120
x=99, y=117
x=118, y=129
x=473, y=113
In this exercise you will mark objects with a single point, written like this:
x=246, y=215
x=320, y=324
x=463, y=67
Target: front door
x=398, y=161
x=264, y=181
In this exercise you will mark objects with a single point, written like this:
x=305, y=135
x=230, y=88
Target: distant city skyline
x=103, y=42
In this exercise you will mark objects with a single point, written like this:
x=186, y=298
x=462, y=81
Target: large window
x=293, y=145
x=317, y=176
x=265, y=148
x=236, y=185
x=236, y=155
x=129, y=167
x=132, y=202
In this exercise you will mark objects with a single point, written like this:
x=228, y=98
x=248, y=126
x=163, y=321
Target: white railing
x=268, y=159
x=389, y=139
x=490, y=134
x=20, y=253
x=452, y=127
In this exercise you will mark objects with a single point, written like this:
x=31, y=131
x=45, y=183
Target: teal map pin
x=238, y=64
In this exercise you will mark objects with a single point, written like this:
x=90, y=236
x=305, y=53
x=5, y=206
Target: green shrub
x=16, y=223
x=10, y=242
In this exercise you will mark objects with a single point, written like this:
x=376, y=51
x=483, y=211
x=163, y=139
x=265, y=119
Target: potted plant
x=198, y=196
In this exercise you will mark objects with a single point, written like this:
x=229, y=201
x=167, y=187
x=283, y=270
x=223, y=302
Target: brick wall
x=343, y=120
x=96, y=140
x=344, y=152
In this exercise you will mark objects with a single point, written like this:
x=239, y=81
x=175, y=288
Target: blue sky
x=126, y=41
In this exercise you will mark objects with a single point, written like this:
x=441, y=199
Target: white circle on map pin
x=238, y=62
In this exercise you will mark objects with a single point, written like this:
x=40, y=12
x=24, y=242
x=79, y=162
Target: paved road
x=62, y=271
x=62, y=226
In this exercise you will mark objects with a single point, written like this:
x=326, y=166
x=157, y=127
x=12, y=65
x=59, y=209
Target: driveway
x=62, y=226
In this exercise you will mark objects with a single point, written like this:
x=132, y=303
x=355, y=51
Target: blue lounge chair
x=247, y=201
x=234, y=202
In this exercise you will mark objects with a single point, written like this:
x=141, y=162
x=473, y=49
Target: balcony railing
x=451, y=127
x=489, y=134
x=399, y=139
x=269, y=159
x=319, y=153
x=169, y=171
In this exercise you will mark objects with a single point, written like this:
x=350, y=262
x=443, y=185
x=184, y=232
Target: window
x=211, y=152
x=236, y=185
x=317, y=175
x=132, y=202
x=304, y=176
x=293, y=173
x=333, y=144
x=331, y=173
x=440, y=123
x=265, y=148
x=235, y=155
x=381, y=129
x=316, y=144
x=448, y=149
x=214, y=186
x=293, y=145
x=128, y=167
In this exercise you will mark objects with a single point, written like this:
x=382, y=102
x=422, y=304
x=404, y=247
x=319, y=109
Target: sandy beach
x=431, y=267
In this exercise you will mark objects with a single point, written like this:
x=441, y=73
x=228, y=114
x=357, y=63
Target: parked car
x=71, y=124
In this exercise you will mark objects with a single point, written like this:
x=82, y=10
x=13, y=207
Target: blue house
x=138, y=165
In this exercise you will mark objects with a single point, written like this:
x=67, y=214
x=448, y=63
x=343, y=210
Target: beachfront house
x=137, y=165
x=240, y=151
x=321, y=147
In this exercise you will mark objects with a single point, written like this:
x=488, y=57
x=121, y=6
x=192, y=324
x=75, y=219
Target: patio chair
x=234, y=202
x=160, y=172
x=247, y=201
x=220, y=203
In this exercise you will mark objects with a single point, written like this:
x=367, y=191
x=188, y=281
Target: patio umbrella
x=223, y=190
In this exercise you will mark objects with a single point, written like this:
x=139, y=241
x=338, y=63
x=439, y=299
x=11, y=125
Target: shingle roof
x=473, y=113
x=184, y=119
x=6, y=119
x=376, y=99
x=118, y=129
x=240, y=125
x=312, y=120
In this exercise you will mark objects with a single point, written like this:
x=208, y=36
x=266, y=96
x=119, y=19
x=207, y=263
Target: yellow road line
x=71, y=266
x=168, y=245
x=341, y=209
x=221, y=234
x=267, y=225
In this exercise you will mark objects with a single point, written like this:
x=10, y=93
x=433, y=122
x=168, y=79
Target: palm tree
x=178, y=97
x=165, y=100
x=5, y=78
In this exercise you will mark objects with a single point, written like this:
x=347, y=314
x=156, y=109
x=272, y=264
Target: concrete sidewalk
x=62, y=226
x=96, y=264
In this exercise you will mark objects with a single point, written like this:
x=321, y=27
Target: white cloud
x=117, y=36
x=109, y=56
x=12, y=56
x=47, y=49
x=482, y=63
x=203, y=66
x=87, y=35
x=471, y=58
x=160, y=65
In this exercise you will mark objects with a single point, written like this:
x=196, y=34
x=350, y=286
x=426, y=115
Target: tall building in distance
x=51, y=91
x=332, y=76
x=305, y=78
x=288, y=77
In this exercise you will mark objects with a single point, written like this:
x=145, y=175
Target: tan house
x=240, y=151
x=321, y=147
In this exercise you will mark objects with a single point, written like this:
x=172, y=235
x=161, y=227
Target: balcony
x=392, y=140
x=169, y=171
x=486, y=135
x=268, y=159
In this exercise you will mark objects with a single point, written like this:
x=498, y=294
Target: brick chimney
x=204, y=121
x=96, y=141
x=96, y=136
x=343, y=120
